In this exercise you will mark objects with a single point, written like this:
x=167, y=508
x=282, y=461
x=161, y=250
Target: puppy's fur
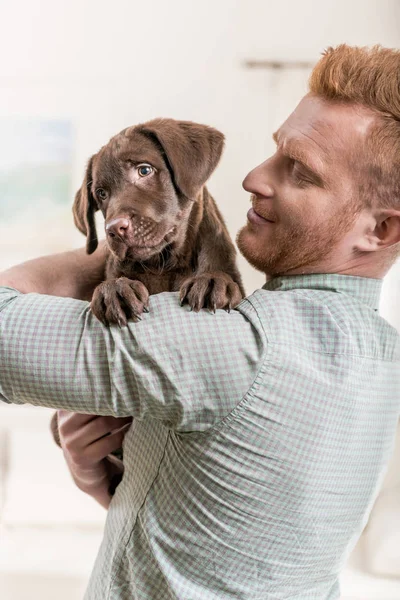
x=164, y=231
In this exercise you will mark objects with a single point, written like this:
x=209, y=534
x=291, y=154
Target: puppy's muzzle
x=136, y=233
x=119, y=228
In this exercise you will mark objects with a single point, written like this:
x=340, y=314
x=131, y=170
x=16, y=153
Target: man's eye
x=299, y=177
x=144, y=170
x=101, y=194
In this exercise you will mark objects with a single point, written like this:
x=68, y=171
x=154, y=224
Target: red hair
x=369, y=77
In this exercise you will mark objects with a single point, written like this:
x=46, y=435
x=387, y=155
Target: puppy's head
x=145, y=181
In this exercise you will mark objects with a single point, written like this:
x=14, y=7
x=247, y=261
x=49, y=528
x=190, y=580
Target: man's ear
x=385, y=233
x=191, y=151
x=84, y=208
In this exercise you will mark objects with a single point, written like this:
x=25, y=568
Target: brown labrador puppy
x=164, y=231
x=163, y=228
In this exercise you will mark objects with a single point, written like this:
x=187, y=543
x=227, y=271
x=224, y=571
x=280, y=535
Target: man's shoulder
x=324, y=321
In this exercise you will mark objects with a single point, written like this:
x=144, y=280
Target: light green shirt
x=260, y=437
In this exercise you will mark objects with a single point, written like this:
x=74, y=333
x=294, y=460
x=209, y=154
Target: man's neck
x=357, y=267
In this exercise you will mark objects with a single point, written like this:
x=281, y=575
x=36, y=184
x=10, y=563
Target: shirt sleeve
x=187, y=369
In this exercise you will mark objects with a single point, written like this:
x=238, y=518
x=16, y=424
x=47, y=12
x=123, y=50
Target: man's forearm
x=72, y=274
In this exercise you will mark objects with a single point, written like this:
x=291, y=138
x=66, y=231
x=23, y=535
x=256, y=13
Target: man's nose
x=118, y=227
x=258, y=182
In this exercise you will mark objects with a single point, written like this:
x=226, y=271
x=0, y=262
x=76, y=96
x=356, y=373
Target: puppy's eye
x=101, y=194
x=144, y=170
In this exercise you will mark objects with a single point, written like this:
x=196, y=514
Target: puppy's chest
x=158, y=282
x=155, y=282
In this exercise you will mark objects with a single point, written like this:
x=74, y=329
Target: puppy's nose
x=118, y=227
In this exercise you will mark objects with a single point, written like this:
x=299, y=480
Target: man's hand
x=87, y=441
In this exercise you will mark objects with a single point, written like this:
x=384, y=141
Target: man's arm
x=72, y=274
x=86, y=440
x=185, y=369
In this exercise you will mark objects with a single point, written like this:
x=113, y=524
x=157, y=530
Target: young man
x=261, y=437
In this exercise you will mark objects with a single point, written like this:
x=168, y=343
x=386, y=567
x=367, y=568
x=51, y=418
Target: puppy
x=163, y=229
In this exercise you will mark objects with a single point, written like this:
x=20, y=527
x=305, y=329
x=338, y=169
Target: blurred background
x=72, y=74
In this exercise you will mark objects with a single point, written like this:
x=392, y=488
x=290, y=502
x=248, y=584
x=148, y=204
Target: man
x=261, y=437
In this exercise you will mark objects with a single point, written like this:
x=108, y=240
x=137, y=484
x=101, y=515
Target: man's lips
x=256, y=218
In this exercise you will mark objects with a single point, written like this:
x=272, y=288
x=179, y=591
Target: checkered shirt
x=260, y=437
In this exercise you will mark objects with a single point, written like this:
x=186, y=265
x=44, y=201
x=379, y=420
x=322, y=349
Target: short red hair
x=369, y=77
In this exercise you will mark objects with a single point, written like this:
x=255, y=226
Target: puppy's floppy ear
x=191, y=151
x=84, y=208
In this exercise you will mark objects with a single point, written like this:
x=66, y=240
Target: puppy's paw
x=117, y=300
x=210, y=290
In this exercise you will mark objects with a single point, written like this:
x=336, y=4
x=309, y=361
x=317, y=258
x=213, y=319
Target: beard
x=296, y=246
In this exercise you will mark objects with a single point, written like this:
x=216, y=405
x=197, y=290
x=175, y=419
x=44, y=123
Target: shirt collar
x=364, y=289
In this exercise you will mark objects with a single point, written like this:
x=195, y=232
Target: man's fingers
x=98, y=450
x=76, y=434
x=123, y=425
x=102, y=426
x=70, y=421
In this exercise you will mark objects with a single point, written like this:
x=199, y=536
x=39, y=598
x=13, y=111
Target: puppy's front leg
x=216, y=282
x=211, y=290
x=117, y=300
